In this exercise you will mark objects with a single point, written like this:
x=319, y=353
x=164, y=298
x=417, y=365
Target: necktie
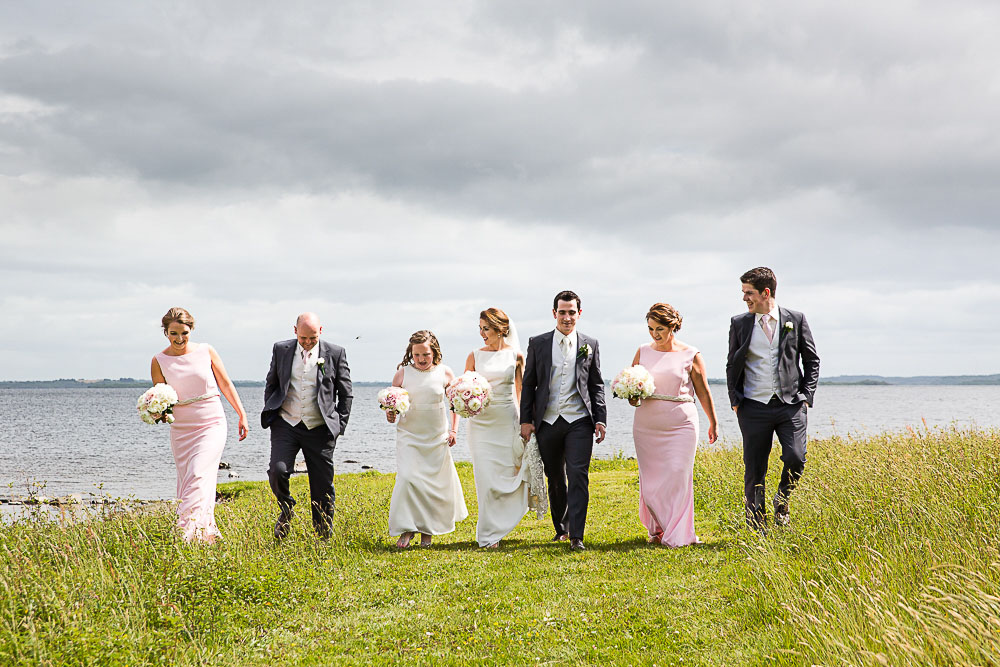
x=765, y=324
x=305, y=357
x=564, y=346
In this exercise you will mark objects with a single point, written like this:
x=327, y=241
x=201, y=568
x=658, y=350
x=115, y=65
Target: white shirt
x=564, y=397
x=300, y=402
x=761, y=382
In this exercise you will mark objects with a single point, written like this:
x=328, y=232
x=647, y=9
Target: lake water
x=76, y=440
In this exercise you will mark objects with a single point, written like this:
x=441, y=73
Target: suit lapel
x=783, y=317
x=545, y=358
x=581, y=380
x=324, y=353
x=285, y=366
x=748, y=330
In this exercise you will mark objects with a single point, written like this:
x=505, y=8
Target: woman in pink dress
x=198, y=433
x=665, y=430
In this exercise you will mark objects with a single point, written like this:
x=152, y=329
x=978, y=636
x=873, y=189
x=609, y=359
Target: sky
x=401, y=166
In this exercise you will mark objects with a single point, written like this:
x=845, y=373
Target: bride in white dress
x=427, y=497
x=494, y=434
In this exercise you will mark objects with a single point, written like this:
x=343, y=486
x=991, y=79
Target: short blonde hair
x=179, y=315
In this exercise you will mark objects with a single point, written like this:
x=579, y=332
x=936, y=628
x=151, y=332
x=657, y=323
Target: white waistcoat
x=300, y=402
x=761, y=381
x=564, y=397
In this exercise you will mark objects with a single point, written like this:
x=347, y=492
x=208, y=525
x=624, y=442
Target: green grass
x=892, y=559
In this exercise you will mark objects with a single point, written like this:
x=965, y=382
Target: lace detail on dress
x=534, y=473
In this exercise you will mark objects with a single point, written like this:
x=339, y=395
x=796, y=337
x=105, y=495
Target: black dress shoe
x=576, y=545
x=782, y=517
x=324, y=529
x=282, y=526
x=560, y=537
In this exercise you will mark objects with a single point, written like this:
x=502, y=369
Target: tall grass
x=891, y=559
x=894, y=554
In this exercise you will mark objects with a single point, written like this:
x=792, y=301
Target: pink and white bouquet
x=394, y=399
x=469, y=394
x=634, y=382
x=156, y=404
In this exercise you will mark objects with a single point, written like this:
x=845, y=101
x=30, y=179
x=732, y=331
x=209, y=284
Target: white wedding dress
x=497, y=449
x=427, y=497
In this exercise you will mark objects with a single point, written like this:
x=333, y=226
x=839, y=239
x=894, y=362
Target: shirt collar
x=313, y=353
x=559, y=337
x=773, y=314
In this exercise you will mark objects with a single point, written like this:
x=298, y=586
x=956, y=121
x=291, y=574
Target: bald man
x=307, y=401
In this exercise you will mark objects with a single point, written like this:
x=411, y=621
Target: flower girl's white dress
x=427, y=497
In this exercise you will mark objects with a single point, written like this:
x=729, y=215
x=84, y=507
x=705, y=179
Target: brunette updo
x=665, y=314
x=418, y=337
x=498, y=320
x=178, y=315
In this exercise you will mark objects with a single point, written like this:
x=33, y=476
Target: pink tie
x=305, y=354
x=765, y=324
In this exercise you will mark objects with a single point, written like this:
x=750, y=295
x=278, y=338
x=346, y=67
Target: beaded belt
x=675, y=399
x=423, y=407
x=189, y=401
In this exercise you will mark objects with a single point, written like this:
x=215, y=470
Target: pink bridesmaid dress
x=197, y=438
x=666, y=437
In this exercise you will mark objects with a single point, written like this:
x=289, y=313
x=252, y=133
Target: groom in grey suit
x=307, y=401
x=562, y=403
x=772, y=372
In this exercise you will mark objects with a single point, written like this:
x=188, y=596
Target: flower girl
x=427, y=497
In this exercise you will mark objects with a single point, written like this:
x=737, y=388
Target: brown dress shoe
x=561, y=537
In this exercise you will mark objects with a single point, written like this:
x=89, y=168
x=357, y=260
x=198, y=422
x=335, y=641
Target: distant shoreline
x=844, y=380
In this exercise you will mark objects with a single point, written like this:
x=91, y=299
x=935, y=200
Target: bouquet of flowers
x=469, y=394
x=156, y=404
x=394, y=399
x=634, y=382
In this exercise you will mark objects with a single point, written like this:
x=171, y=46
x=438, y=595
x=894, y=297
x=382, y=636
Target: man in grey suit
x=562, y=403
x=307, y=401
x=772, y=372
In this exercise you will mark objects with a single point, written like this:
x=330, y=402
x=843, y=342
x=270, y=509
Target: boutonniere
x=321, y=363
x=788, y=327
x=583, y=352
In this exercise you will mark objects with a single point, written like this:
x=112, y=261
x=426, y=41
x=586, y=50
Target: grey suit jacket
x=538, y=369
x=333, y=394
x=798, y=362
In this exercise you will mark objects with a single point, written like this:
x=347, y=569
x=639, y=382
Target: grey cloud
x=695, y=134
x=636, y=152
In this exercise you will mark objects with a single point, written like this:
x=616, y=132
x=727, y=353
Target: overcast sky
x=397, y=166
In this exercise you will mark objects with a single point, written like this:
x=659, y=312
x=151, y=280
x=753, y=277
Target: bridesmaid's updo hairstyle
x=498, y=320
x=418, y=337
x=665, y=314
x=178, y=315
